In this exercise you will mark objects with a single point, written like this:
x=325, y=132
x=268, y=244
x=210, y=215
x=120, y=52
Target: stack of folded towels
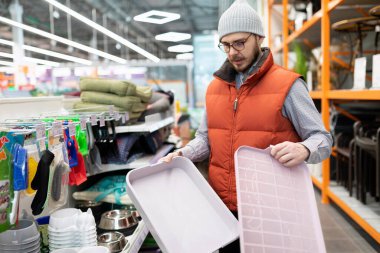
x=124, y=95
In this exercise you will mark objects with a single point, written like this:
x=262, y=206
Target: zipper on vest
x=235, y=104
x=239, y=92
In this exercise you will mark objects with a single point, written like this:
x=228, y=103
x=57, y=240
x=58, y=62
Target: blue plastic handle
x=20, y=169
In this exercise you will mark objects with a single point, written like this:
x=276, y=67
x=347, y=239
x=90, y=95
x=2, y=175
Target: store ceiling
x=197, y=16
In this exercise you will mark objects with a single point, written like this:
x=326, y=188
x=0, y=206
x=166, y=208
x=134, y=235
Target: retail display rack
x=317, y=30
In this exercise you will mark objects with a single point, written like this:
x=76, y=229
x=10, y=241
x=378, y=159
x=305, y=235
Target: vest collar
x=228, y=73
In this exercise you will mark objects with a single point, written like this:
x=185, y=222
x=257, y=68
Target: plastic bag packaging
x=7, y=141
x=78, y=173
x=81, y=136
x=27, y=196
x=72, y=148
x=58, y=180
x=33, y=160
x=20, y=177
x=41, y=182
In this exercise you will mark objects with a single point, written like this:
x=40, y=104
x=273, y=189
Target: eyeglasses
x=237, y=45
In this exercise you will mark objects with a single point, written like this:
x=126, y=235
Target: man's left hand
x=290, y=154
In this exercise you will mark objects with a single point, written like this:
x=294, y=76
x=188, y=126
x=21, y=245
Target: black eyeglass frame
x=238, y=45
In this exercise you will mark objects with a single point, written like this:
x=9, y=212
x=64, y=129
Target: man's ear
x=260, y=40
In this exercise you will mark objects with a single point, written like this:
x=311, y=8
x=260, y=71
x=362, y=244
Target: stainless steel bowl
x=114, y=241
x=117, y=220
x=136, y=214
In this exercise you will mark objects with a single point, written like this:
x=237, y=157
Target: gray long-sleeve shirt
x=298, y=108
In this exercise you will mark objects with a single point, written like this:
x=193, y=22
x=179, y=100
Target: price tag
x=102, y=122
x=123, y=119
x=83, y=123
x=41, y=144
x=376, y=72
x=127, y=116
x=117, y=115
x=40, y=131
x=93, y=120
x=72, y=129
x=57, y=129
x=111, y=109
x=359, y=73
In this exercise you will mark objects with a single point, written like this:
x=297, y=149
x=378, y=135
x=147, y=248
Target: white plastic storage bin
x=179, y=207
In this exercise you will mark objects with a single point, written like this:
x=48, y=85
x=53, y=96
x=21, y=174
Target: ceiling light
x=57, y=55
x=35, y=60
x=56, y=14
x=62, y=40
x=7, y=42
x=7, y=63
x=185, y=56
x=48, y=52
x=104, y=30
x=6, y=55
x=173, y=36
x=117, y=46
x=147, y=17
x=181, y=48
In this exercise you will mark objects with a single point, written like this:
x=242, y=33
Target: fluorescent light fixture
x=181, y=48
x=34, y=60
x=185, y=56
x=173, y=36
x=7, y=42
x=49, y=53
x=56, y=14
x=6, y=55
x=7, y=63
x=104, y=30
x=63, y=40
x=147, y=17
x=57, y=55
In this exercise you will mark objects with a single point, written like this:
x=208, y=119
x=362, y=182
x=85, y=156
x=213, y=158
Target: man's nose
x=233, y=51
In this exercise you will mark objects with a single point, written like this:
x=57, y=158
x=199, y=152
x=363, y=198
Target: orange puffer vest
x=251, y=116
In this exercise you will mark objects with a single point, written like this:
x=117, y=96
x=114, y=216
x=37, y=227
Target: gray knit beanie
x=240, y=17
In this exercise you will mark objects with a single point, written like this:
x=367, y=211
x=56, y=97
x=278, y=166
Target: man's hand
x=290, y=154
x=169, y=157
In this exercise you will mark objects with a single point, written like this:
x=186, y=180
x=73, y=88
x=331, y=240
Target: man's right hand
x=169, y=157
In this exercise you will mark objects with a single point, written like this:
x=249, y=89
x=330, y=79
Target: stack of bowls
x=22, y=238
x=70, y=228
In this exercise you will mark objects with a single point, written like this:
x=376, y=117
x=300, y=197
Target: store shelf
x=354, y=94
x=145, y=127
x=314, y=33
x=315, y=94
x=364, y=215
x=308, y=24
x=138, y=163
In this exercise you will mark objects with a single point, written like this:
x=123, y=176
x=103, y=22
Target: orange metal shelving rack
x=325, y=95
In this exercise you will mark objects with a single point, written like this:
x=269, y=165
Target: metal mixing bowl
x=117, y=220
x=114, y=241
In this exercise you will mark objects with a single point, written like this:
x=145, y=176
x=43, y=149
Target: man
x=253, y=102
